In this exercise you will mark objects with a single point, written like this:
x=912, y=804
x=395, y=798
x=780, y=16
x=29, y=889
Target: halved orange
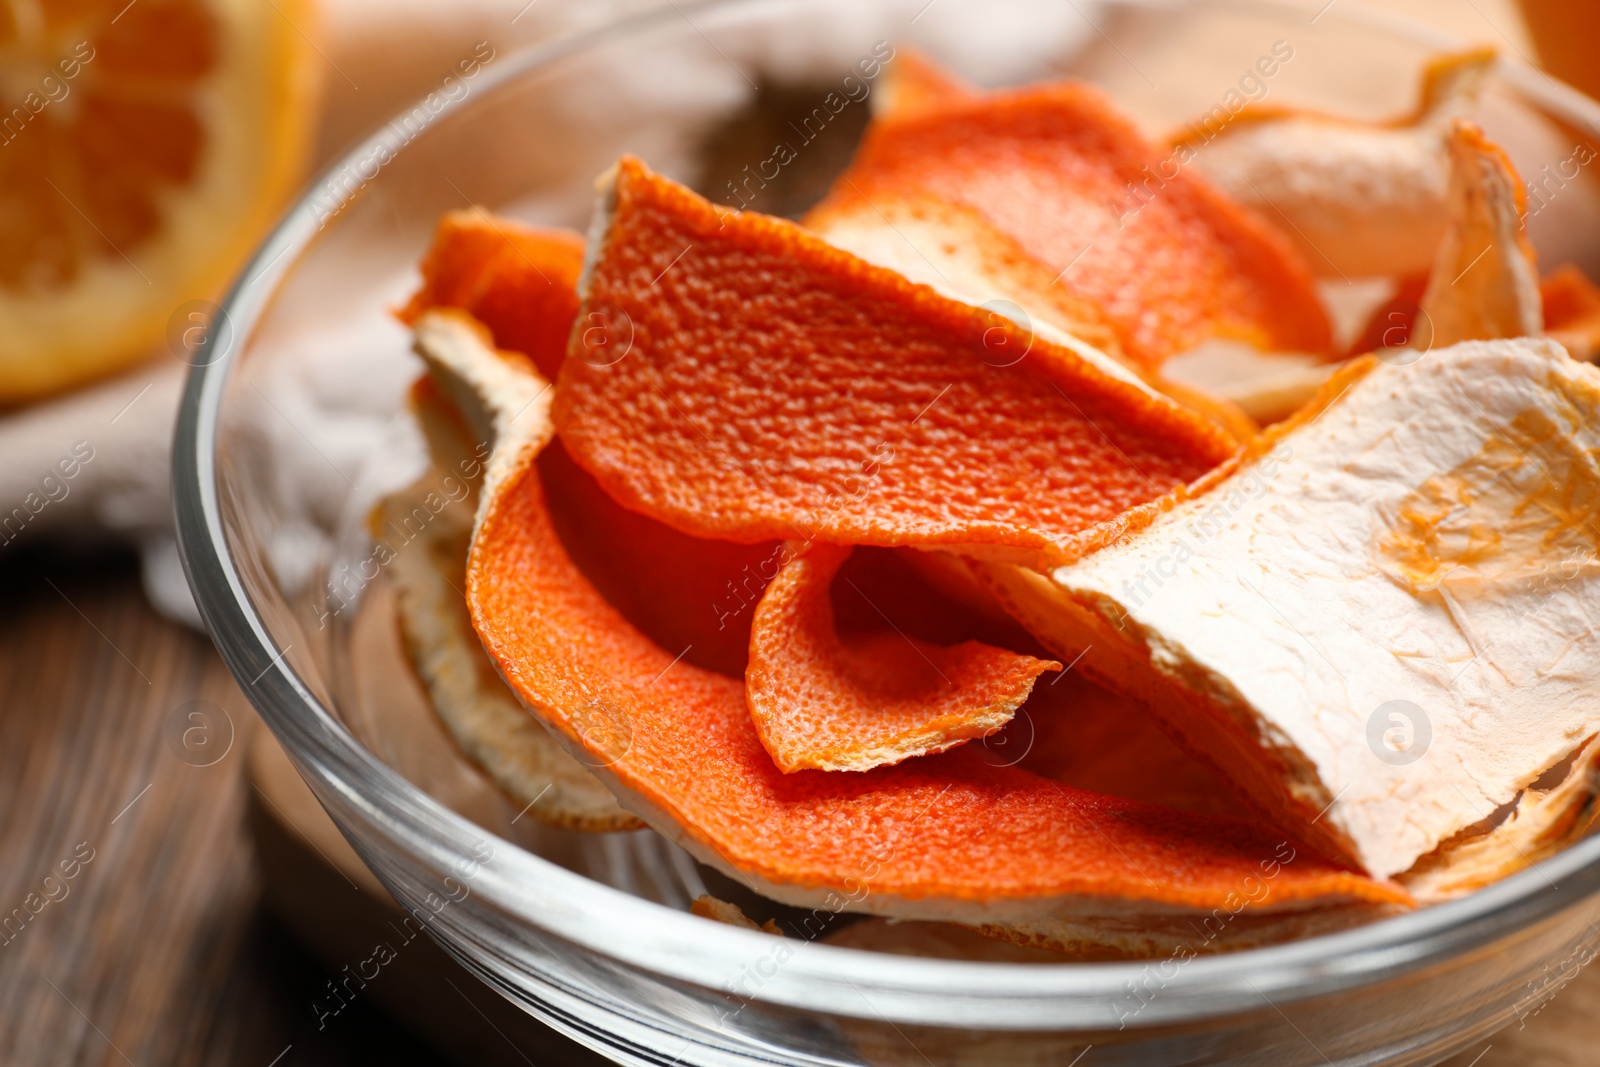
x=146, y=147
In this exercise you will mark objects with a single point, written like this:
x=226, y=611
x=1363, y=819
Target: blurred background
x=169, y=891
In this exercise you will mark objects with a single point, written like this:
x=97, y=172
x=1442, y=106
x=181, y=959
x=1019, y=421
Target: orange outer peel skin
x=520, y=282
x=779, y=388
x=1045, y=167
x=820, y=703
x=691, y=595
x=915, y=85
x=927, y=838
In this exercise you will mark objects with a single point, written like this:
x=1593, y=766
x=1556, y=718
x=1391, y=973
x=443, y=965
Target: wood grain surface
x=158, y=950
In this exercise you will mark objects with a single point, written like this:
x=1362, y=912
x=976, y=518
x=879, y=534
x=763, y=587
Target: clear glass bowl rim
x=655, y=939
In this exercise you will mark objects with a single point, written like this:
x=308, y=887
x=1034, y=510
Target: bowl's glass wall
x=311, y=429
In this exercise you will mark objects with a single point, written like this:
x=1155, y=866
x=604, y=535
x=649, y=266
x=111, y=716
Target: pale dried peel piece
x=1049, y=942
x=480, y=713
x=1484, y=282
x=709, y=907
x=504, y=401
x=821, y=701
x=1379, y=623
x=1145, y=936
x=1545, y=820
x=1359, y=199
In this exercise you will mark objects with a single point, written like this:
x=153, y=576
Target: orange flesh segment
x=93, y=148
x=677, y=743
x=820, y=702
x=1043, y=168
x=520, y=282
x=778, y=388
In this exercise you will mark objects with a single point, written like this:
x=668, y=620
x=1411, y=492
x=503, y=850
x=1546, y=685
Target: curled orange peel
x=1572, y=310
x=520, y=282
x=522, y=285
x=1359, y=199
x=694, y=596
x=1047, y=197
x=821, y=702
x=949, y=836
x=915, y=85
x=779, y=388
x=1485, y=282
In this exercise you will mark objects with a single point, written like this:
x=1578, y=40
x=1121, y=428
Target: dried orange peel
x=915, y=85
x=1485, y=283
x=949, y=194
x=820, y=702
x=1572, y=311
x=903, y=419
x=1359, y=199
x=520, y=282
x=427, y=531
x=949, y=836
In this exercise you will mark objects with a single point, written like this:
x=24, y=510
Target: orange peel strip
x=1484, y=282
x=1067, y=209
x=915, y=85
x=946, y=836
x=691, y=595
x=821, y=703
x=1359, y=199
x=520, y=282
x=904, y=418
x=1572, y=311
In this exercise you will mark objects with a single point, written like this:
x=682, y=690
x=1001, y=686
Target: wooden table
x=159, y=951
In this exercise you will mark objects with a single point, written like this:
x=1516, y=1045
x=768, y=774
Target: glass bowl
x=293, y=424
